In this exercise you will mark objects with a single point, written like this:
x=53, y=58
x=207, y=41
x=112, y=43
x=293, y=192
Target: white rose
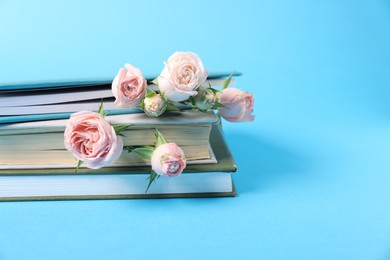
x=182, y=75
x=154, y=106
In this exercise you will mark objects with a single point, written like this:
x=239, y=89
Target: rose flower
x=91, y=139
x=168, y=160
x=128, y=87
x=238, y=105
x=182, y=75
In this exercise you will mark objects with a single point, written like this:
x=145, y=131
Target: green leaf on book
x=190, y=101
x=119, y=128
x=216, y=91
x=100, y=110
x=160, y=139
x=79, y=163
x=226, y=82
x=130, y=148
x=220, y=121
x=171, y=107
x=151, y=178
x=141, y=105
x=144, y=153
x=217, y=104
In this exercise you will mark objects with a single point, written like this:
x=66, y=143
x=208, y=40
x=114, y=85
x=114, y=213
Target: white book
x=114, y=186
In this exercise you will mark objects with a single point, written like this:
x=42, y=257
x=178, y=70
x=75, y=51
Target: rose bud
x=155, y=105
x=128, y=87
x=168, y=160
x=182, y=75
x=238, y=105
x=205, y=99
x=91, y=139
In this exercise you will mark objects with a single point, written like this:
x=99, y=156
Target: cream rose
x=91, y=139
x=155, y=105
x=182, y=75
x=238, y=105
x=128, y=87
x=168, y=160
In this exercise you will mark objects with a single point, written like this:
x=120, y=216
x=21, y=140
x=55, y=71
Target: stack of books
x=34, y=165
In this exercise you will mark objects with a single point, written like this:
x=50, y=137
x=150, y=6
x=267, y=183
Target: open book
x=32, y=102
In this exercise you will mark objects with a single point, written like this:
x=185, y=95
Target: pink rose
x=182, y=75
x=91, y=139
x=128, y=87
x=238, y=105
x=168, y=160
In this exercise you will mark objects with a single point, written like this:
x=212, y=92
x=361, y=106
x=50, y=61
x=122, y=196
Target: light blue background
x=314, y=168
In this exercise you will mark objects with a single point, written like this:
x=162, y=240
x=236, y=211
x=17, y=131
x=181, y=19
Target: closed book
x=40, y=144
x=198, y=180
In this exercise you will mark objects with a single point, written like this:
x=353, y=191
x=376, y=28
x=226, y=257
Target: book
x=114, y=186
x=22, y=102
x=85, y=82
x=40, y=144
x=53, y=96
x=123, y=182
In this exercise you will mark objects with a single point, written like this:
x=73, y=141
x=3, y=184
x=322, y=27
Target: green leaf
x=171, y=107
x=216, y=91
x=150, y=93
x=151, y=178
x=220, y=121
x=79, y=163
x=160, y=139
x=191, y=100
x=163, y=96
x=130, y=148
x=155, y=81
x=226, y=82
x=144, y=153
x=141, y=105
x=217, y=104
x=100, y=110
x=119, y=128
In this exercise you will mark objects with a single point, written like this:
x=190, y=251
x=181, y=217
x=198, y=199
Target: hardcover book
x=198, y=180
x=40, y=144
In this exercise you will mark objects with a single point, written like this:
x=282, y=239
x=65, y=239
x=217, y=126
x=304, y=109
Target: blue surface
x=314, y=168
